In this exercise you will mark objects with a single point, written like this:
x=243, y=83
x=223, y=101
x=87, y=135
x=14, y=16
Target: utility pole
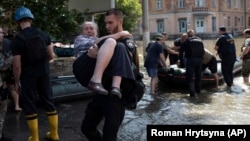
x=145, y=26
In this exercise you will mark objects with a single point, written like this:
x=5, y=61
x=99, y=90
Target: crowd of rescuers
x=172, y=52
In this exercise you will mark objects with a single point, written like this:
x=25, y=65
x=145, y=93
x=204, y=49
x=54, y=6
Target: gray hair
x=83, y=24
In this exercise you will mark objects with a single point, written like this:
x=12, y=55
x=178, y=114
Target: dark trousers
x=227, y=66
x=173, y=58
x=33, y=86
x=111, y=109
x=194, y=69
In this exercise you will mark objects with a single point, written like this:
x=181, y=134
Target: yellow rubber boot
x=53, y=124
x=33, y=126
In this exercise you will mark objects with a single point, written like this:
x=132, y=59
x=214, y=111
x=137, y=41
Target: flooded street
x=172, y=105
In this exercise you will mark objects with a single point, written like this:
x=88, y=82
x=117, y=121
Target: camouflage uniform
x=5, y=64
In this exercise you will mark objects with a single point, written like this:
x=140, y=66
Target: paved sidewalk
x=70, y=118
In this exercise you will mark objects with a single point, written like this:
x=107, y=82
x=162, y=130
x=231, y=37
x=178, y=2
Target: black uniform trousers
x=227, y=66
x=193, y=70
x=33, y=86
x=111, y=109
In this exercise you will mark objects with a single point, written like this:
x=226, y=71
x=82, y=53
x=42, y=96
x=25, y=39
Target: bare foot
x=18, y=109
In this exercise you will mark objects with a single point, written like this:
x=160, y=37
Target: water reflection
x=172, y=105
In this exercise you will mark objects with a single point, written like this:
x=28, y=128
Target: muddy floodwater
x=172, y=105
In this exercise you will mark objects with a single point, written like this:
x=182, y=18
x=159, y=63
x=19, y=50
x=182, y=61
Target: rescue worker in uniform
x=226, y=50
x=194, y=50
x=4, y=92
x=173, y=58
x=34, y=78
x=103, y=106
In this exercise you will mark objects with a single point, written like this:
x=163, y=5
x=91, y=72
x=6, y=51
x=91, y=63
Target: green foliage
x=62, y=25
x=52, y=16
x=132, y=12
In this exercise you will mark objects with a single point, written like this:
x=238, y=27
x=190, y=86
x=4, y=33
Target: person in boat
x=87, y=39
x=194, y=51
x=173, y=58
x=225, y=47
x=210, y=62
x=245, y=56
x=155, y=57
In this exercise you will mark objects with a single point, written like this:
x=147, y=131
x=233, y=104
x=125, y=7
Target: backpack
x=36, y=47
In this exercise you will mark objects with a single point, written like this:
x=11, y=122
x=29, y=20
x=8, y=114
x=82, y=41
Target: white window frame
x=235, y=3
x=229, y=4
x=200, y=3
x=181, y=3
x=214, y=3
x=160, y=25
x=158, y=4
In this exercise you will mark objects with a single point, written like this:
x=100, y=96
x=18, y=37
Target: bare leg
x=246, y=80
x=216, y=80
x=15, y=97
x=116, y=81
x=104, y=56
x=153, y=84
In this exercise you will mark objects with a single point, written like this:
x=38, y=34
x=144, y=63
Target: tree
x=132, y=12
x=51, y=16
x=61, y=24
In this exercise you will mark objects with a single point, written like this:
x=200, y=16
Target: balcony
x=200, y=11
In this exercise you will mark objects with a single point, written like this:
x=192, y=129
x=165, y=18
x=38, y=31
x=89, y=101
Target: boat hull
x=64, y=84
x=176, y=76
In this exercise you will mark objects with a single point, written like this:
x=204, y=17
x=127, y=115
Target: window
x=159, y=5
x=228, y=3
x=199, y=3
x=248, y=21
x=228, y=21
x=242, y=21
x=236, y=21
x=214, y=24
x=182, y=25
x=181, y=3
x=214, y=3
x=235, y=3
x=242, y=3
x=160, y=25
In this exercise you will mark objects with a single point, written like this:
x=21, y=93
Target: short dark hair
x=223, y=29
x=115, y=11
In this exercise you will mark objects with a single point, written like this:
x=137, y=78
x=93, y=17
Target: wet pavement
x=171, y=105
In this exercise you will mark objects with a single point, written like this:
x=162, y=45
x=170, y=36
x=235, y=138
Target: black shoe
x=115, y=92
x=97, y=87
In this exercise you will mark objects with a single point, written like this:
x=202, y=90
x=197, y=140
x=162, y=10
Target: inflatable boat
x=176, y=75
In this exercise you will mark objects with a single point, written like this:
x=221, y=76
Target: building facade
x=204, y=16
